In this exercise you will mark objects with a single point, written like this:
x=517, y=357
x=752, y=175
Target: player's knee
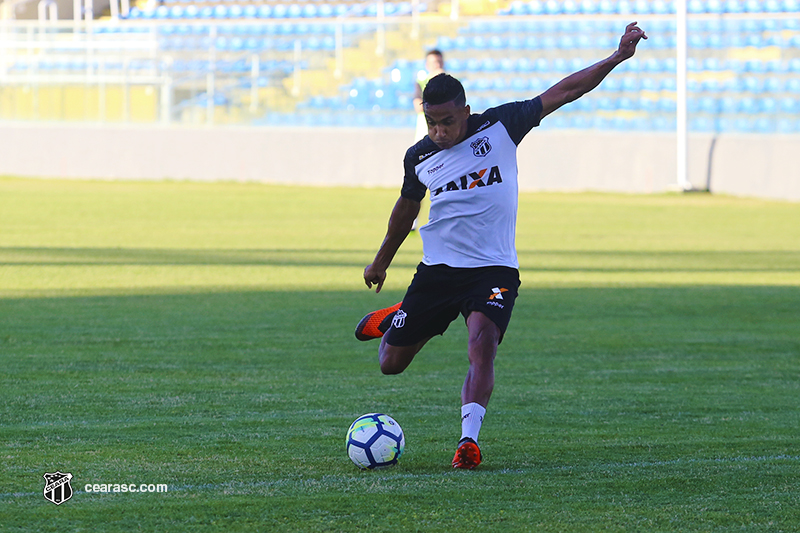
x=391, y=363
x=486, y=336
x=389, y=369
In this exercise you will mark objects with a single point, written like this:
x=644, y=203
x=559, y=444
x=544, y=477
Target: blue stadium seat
x=552, y=7
x=701, y=124
x=752, y=6
x=606, y=7
x=588, y=7
x=532, y=43
x=488, y=64
x=535, y=7
x=661, y=123
x=787, y=125
x=516, y=42
x=648, y=104
x=711, y=85
x=715, y=41
x=748, y=105
x=570, y=7
x=497, y=43
x=768, y=105
x=625, y=103
x=660, y=7
x=734, y=6
x=520, y=84
x=499, y=84
x=695, y=6
x=764, y=125
x=611, y=84
x=649, y=84
x=667, y=105
x=624, y=7
x=524, y=65
x=507, y=65
x=630, y=84
x=773, y=84
x=754, y=66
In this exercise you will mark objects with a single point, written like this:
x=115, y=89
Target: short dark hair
x=434, y=52
x=444, y=88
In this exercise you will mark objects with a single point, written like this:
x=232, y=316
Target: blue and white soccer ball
x=375, y=440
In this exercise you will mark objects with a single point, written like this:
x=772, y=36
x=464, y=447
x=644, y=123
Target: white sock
x=471, y=419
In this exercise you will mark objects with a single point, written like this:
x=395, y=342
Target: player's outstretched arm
x=400, y=222
x=576, y=85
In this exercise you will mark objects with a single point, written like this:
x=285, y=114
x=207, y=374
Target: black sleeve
x=519, y=117
x=413, y=189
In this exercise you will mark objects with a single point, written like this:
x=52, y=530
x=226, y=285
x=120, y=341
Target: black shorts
x=438, y=293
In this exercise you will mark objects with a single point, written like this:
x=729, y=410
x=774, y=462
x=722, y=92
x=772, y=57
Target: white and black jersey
x=473, y=188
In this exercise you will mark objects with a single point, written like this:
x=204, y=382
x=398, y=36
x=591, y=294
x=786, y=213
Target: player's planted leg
x=484, y=336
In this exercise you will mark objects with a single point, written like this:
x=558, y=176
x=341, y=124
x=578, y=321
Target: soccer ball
x=375, y=440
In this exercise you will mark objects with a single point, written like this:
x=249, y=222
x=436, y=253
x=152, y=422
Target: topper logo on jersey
x=472, y=180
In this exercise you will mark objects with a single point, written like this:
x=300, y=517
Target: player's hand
x=374, y=276
x=628, y=42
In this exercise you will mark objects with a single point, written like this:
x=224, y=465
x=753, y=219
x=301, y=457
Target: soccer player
x=469, y=264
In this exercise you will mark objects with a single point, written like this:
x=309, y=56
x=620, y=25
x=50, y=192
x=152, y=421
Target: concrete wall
x=750, y=165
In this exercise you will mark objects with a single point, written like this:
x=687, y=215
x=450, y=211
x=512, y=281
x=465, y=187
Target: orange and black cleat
x=468, y=454
x=376, y=323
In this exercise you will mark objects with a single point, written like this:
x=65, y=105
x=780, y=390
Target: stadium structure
x=342, y=65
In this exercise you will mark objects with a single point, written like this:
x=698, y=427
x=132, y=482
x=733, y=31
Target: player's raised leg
x=484, y=336
x=375, y=324
x=395, y=359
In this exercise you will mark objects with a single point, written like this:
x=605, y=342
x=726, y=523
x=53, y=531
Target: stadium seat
x=695, y=6
x=624, y=7
x=588, y=7
x=733, y=6
x=552, y=7
x=535, y=8
x=787, y=125
x=791, y=6
x=606, y=7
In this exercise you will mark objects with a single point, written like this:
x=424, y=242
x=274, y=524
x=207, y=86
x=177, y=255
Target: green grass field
x=200, y=336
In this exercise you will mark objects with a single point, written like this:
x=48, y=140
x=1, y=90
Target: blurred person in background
x=434, y=65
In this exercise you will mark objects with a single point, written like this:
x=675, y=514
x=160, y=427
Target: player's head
x=434, y=62
x=446, y=111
